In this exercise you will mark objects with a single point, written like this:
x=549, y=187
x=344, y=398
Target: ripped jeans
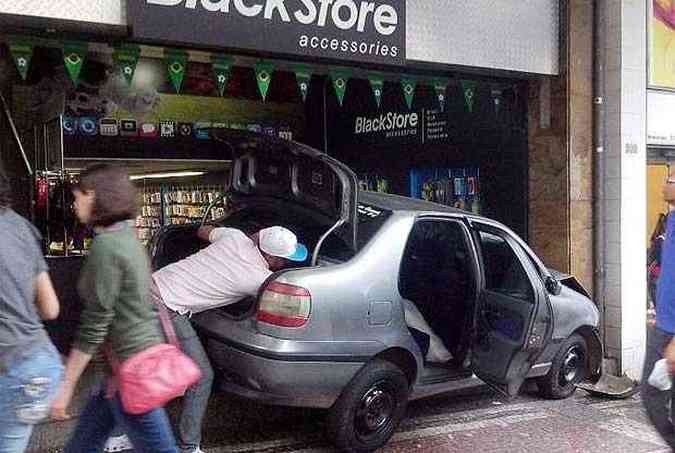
x=27, y=388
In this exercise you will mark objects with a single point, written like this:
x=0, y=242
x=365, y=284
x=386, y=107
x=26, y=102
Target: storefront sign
x=435, y=126
x=417, y=127
x=660, y=110
x=352, y=30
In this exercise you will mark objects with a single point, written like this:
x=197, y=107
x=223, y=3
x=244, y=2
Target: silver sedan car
x=333, y=334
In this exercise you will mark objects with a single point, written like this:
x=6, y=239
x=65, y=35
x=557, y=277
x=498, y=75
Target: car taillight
x=284, y=305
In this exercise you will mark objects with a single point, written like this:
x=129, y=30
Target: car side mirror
x=553, y=286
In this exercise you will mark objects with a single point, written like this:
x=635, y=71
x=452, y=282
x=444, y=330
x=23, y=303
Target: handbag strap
x=167, y=325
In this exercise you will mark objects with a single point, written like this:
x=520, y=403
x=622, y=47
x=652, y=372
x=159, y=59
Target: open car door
x=280, y=170
x=513, y=320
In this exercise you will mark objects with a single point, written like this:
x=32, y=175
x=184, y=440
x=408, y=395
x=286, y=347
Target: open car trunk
x=275, y=171
x=278, y=182
x=177, y=242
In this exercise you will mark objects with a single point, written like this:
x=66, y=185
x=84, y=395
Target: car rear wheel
x=567, y=370
x=370, y=408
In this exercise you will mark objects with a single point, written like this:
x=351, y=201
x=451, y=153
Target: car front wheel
x=567, y=370
x=370, y=408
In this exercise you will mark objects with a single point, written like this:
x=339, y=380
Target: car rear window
x=371, y=220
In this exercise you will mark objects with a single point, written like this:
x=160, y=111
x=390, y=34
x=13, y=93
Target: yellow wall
x=656, y=176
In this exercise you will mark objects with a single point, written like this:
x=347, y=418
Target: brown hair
x=115, y=198
x=660, y=227
x=5, y=191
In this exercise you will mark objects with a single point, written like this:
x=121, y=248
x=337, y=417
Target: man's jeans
x=149, y=433
x=196, y=398
x=26, y=393
x=657, y=402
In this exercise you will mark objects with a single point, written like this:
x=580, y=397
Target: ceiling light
x=179, y=174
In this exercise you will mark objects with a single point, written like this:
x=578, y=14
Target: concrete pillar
x=560, y=155
x=625, y=101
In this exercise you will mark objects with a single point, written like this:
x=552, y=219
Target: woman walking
x=654, y=258
x=114, y=287
x=30, y=366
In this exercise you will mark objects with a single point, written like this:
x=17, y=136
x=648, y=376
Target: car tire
x=567, y=370
x=369, y=409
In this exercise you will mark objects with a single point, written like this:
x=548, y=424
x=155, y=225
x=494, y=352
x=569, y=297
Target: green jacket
x=114, y=286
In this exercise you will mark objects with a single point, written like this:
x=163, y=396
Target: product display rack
x=169, y=204
x=150, y=220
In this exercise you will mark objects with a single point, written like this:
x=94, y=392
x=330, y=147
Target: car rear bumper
x=301, y=383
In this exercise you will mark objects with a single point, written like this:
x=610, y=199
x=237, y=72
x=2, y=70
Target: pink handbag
x=151, y=378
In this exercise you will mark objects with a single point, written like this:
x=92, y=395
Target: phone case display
x=176, y=205
x=55, y=216
x=374, y=183
x=187, y=204
x=150, y=220
x=456, y=187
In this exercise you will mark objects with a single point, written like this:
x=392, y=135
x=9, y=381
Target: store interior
x=463, y=146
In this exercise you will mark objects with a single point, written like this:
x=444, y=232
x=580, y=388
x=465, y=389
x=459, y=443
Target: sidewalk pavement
x=475, y=419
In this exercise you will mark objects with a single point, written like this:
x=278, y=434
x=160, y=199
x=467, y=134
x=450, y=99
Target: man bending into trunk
x=233, y=267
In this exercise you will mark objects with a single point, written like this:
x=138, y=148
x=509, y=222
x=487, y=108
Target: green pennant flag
x=303, y=75
x=340, y=80
x=176, y=64
x=469, y=90
x=222, y=67
x=74, y=54
x=22, y=53
x=263, y=75
x=440, y=86
x=377, y=84
x=409, y=90
x=126, y=58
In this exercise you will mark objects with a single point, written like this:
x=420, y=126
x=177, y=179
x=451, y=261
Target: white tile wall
x=625, y=184
x=633, y=194
x=634, y=87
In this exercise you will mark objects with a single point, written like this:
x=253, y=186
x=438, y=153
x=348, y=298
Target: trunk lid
x=268, y=168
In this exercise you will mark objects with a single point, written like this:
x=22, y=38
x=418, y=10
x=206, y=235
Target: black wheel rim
x=375, y=412
x=572, y=366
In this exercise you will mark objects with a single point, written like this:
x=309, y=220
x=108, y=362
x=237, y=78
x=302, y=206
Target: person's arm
x=75, y=366
x=102, y=281
x=204, y=232
x=213, y=234
x=46, y=300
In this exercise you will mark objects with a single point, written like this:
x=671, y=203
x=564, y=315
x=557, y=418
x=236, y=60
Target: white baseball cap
x=282, y=242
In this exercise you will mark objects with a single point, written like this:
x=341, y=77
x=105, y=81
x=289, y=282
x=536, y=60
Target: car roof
x=391, y=202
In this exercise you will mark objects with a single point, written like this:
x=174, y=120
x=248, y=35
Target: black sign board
x=395, y=128
x=353, y=30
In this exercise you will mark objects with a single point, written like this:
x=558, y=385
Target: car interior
x=505, y=276
x=437, y=275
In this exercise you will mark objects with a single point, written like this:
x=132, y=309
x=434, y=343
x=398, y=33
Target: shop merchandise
x=374, y=183
x=456, y=187
x=176, y=205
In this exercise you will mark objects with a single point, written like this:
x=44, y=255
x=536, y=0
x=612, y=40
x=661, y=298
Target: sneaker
x=118, y=443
